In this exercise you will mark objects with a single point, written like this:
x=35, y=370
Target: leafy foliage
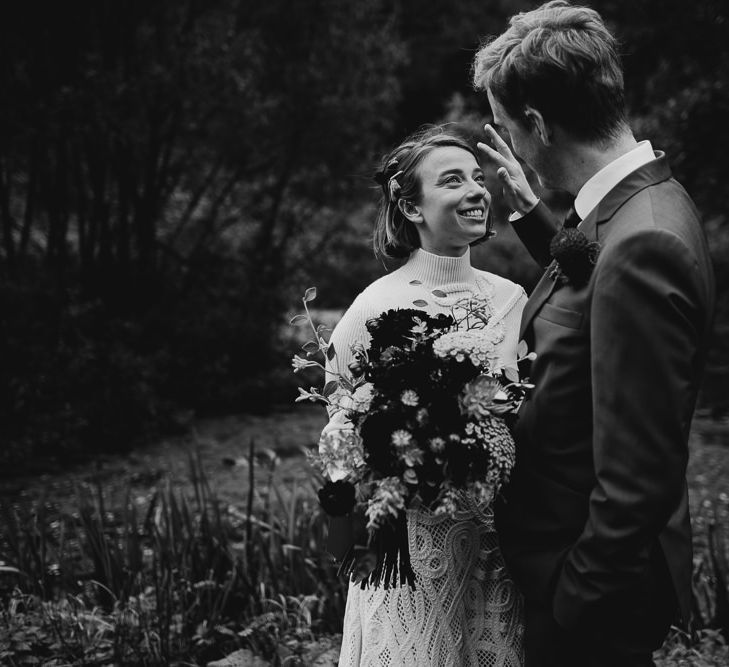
x=172, y=171
x=161, y=181
x=170, y=579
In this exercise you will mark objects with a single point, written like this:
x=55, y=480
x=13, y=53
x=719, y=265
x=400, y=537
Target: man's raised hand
x=517, y=191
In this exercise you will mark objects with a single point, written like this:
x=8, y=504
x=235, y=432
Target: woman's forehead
x=447, y=158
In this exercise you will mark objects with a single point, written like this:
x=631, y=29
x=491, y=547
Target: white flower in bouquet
x=502, y=454
x=357, y=401
x=420, y=328
x=478, y=396
x=401, y=438
x=340, y=449
x=476, y=345
x=409, y=397
x=447, y=503
x=407, y=448
x=483, y=492
x=387, y=501
x=437, y=445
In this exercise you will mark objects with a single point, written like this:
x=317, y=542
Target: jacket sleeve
x=647, y=316
x=536, y=230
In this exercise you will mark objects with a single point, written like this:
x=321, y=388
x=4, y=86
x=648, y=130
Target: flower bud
x=355, y=368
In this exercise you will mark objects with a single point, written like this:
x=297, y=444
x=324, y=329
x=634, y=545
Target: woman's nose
x=478, y=190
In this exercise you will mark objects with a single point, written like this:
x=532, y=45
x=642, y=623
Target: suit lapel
x=649, y=174
x=541, y=293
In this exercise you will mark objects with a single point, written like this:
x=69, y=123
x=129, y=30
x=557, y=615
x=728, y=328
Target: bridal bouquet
x=420, y=417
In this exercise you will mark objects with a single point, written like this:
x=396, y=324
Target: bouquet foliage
x=420, y=416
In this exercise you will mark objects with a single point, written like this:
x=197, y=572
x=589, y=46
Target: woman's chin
x=474, y=231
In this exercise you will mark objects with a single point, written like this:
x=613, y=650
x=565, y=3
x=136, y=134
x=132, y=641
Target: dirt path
x=220, y=442
x=283, y=434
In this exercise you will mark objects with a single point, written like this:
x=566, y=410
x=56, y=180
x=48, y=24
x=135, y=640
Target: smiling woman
x=453, y=205
x=433, y=197
x=464, y=609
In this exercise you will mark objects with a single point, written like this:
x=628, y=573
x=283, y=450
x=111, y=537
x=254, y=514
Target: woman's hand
x=517, y=191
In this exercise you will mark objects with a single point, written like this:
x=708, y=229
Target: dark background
x=174, y=174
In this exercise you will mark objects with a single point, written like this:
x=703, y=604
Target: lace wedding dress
x=464, y=611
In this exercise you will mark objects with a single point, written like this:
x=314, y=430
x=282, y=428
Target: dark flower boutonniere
x=576, y=257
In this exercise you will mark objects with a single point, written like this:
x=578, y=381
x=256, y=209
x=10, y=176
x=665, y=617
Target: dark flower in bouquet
x=337, y=498
x=420, y=426
x=394, y=328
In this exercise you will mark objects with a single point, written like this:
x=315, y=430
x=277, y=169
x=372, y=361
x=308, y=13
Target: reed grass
x=177, y=581
x=185, y=579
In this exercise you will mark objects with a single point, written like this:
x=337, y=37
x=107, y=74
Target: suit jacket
x=595, y=520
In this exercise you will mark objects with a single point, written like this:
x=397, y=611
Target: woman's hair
x=561, y=60
x=395, y=236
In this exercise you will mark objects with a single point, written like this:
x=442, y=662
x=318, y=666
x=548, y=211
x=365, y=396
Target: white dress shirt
x=593, y=191
x=596, y=187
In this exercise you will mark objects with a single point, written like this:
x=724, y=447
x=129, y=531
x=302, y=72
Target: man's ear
x=410, y=210
x=536, y=122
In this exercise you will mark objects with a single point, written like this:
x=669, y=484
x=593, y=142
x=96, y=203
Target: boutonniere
x=576, y=257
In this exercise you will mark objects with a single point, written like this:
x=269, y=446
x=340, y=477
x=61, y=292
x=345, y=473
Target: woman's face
x=454, y=202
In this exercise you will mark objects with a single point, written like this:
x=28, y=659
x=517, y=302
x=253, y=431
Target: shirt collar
x=593, y=191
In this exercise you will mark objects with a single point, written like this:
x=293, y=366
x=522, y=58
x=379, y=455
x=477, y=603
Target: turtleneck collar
x=435, y=270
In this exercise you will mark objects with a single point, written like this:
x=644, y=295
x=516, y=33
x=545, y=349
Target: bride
x=464, y=609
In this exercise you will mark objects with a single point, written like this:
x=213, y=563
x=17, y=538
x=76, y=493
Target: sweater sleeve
x=511, y=317
x=351, y=329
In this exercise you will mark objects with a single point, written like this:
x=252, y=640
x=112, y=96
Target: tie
x=571, y=219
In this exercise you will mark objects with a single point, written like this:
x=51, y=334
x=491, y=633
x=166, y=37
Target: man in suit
x=595, y=526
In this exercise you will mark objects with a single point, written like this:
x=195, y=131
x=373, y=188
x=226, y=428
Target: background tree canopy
x=174, y=173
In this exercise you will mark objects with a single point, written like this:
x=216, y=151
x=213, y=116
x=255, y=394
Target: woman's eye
x=480, y=179
x=453, y=179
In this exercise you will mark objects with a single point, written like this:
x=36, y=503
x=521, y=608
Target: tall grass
x=176, y=579
x=185, y=579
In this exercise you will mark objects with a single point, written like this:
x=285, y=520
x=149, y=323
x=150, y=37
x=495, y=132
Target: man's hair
x=562, y=61
x=394, y=235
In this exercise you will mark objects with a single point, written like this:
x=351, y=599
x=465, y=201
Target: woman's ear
x=410, y=210
x=536, y=122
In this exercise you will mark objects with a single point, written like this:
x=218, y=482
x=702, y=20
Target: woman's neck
x=437, y=270
x=450, y=251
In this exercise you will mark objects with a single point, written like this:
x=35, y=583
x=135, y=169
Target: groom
x=595, y=526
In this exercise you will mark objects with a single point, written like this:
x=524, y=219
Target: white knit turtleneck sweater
x=453, y=275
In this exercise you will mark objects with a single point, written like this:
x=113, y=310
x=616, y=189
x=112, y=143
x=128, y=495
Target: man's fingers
x=507, y=181
x=499, y=144
x=492, y=154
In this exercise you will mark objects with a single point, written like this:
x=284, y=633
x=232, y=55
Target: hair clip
x=381, y=175
x=393, y=187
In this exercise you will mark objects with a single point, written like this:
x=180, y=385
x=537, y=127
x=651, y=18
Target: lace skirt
x=465, y=610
